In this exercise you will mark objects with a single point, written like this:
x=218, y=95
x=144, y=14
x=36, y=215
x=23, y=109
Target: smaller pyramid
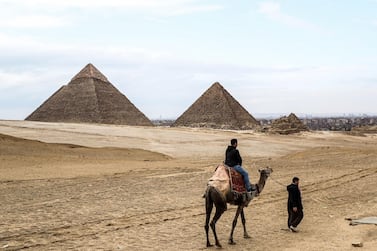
x=288, y=125
x=89, y=98
x=216, y=108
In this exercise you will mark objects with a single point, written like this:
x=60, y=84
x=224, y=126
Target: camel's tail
x=205, y=193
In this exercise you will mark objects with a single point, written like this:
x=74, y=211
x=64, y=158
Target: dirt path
x=156, y=204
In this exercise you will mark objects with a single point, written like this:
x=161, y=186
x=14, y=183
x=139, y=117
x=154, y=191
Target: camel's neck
x=261, y=182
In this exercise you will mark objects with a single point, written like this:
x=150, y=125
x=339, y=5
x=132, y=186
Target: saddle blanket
x=238, y=185
x=226, y=178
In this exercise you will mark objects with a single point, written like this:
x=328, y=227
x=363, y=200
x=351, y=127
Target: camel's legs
x=219, y=212
x=245, y=234
x=209, y=206
x=239, y=210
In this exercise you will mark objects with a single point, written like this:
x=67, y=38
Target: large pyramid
x=216, y=108
x=90, y=98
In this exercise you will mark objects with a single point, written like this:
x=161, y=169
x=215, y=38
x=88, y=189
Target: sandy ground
x=103, y=187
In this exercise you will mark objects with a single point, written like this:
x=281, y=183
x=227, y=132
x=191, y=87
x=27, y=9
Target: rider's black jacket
x=232, y=157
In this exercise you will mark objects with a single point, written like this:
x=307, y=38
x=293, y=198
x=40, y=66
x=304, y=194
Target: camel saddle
x=236, y=181
x=227, y=178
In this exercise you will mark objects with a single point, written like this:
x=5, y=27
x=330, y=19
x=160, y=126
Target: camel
x=220, y=196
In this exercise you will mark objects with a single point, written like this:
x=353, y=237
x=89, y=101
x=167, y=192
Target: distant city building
x=331, y=123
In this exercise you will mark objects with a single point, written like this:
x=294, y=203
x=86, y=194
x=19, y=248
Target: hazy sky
x=306, y=57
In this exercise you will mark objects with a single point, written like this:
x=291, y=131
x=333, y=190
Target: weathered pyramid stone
x=89, y=98
x=288, y=125
x=216, y=108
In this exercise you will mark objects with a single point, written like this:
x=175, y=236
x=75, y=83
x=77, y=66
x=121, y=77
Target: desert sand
x=105, y=187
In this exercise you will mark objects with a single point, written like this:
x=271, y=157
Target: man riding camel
x=233, y=159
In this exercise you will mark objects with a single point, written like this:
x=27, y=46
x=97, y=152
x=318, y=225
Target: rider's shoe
x=249, y=196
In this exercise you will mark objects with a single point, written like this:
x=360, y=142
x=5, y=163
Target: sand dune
x=107, y=187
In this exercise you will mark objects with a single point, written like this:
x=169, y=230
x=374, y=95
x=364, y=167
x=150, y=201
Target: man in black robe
x=295, y=208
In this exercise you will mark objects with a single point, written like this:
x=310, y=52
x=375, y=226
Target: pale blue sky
x=274, y=57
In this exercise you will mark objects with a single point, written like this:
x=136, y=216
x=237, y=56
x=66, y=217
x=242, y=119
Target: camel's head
x=266, y=171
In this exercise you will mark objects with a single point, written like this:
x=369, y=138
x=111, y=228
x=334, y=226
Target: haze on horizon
x=275, y=57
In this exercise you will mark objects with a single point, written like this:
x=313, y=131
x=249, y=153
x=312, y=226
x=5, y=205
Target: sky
x=312, y=57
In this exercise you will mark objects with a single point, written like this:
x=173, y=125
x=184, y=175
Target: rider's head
x=295, y=180
x=233, y=142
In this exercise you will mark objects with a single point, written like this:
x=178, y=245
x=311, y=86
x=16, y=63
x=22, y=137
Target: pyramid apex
x=292, y=116
x=217, y=84
x=90, y=71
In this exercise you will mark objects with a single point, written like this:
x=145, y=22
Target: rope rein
x=281, y=184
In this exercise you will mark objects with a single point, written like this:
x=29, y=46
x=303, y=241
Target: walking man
x=295, y=208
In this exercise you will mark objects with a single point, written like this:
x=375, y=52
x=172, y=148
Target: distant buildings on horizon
x=322, y=122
